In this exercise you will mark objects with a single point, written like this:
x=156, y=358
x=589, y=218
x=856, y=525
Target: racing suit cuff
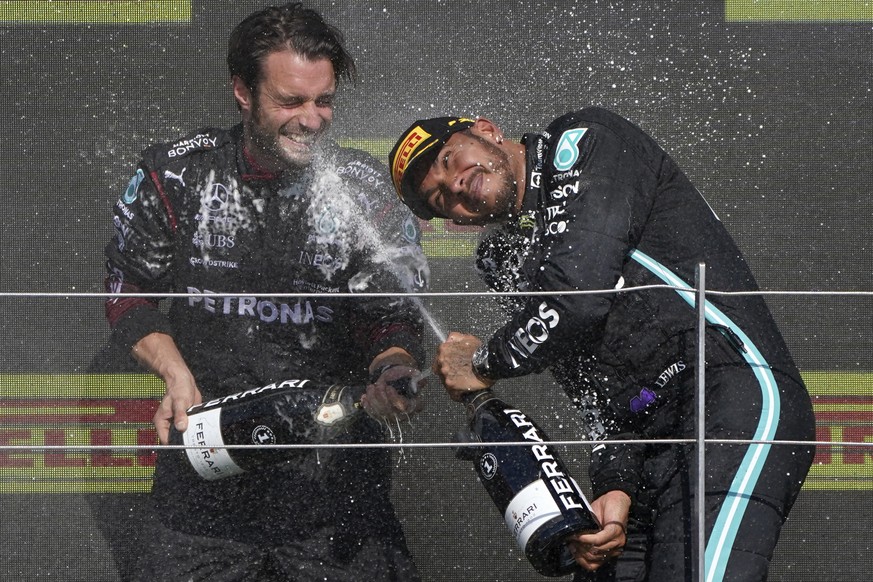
x=482, y=363
x=137, y=323
x=616, y=466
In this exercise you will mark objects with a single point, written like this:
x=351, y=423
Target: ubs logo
x=213, y=241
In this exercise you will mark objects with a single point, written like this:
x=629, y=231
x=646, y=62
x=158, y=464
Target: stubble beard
x=269, y=146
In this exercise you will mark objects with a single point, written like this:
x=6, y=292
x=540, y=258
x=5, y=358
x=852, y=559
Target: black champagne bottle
x=530, y=485
x=299, y=411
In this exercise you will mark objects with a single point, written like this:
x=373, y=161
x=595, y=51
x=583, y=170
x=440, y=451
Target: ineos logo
x=263, y=435
x=537, y=331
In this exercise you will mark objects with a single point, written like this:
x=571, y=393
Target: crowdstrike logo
x=215, y=263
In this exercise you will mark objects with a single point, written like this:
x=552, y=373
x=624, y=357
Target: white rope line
x=104, y=295
x=438, y=445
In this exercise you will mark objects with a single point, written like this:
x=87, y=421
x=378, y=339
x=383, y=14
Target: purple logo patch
x=639, y=403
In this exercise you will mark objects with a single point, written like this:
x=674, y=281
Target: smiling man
x=236, y=217
x=593, y=203
x=471, y=180
x=286, y=108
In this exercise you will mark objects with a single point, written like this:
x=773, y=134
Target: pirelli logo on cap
x=423, y=136
x=405, y=152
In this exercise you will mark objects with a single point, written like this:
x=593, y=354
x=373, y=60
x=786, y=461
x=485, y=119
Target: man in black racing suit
x=238, y=219
x=593, y=203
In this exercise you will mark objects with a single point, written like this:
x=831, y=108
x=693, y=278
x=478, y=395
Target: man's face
x=471, y=181
x=290, y=110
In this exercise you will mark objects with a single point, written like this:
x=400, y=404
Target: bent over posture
x=593, y=203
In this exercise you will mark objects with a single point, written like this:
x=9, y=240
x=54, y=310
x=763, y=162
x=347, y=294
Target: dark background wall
x=771, y=119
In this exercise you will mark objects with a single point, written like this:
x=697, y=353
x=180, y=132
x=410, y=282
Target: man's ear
x=484, y=127
x=242, y=94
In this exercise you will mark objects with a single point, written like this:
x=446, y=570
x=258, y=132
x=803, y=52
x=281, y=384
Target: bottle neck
x=475, y=400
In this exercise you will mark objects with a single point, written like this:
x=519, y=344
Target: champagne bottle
x=540, y=502
x=288, y=412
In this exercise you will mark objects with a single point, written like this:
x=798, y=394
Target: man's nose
x=455, y=183
x=311, y=116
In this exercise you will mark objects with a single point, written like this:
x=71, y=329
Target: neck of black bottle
x=475, y=400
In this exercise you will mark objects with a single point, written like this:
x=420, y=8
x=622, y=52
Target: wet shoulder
x=594, y=134
x=358, y=166
x=366, y=176
x=590, y=116
x=370, y=184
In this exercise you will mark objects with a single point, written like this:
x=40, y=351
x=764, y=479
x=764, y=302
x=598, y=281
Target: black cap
x=419, y=144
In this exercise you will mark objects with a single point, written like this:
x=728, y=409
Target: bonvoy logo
x=199, y=141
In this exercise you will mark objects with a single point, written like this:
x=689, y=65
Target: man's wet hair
x=290, y=26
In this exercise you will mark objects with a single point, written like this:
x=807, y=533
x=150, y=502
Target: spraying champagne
x=298, y=411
